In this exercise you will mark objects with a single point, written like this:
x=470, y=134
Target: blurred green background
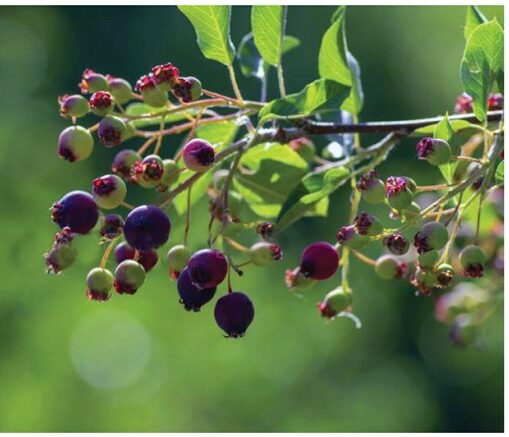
x=144, y=364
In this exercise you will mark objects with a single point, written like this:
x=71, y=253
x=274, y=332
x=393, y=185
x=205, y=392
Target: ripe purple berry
x=389, y=267
x=99, y=284
x=75, y=143
x=398, y=192
x=335, y=302
x=77, y=210
x=191, y=296
x=435, y=151
x=149, y=172
x=187, y=89
x=349, y=237
x=177, y=257
x=124, y=163
x=92, y=82
x=208, y=268
x=319, y=261
x=73, y=106
x=147, y=258
x=264, y=253
x=112, y=226
x=372, y=188
x=112, y=131
x=129, y=276
x=396, y=244
x=101, y=103
x=366, y=224
x=165, y=76
x=432, y=236
x=59, y=257
x=152, y=95
x=198, y=155
x=120, y=89
x=109, y=191
x=472, y=259
x=234, y=313
x=147, y=227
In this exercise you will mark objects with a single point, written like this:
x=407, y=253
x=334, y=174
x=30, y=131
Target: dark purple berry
x=112, y=226
x=147, y=227
x=319, y=260
x=187, y=89
x=165, y=76
x=396, y=244
x=77, y=210
x=191, y=296
x=198, y=155
x=208, y=268
x=124, y=163
x=234, y=313
x=147, y=258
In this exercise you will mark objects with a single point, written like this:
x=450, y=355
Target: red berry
x=319, y=261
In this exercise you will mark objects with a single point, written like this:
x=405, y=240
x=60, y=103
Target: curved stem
x=107, y=253
x=235, y=85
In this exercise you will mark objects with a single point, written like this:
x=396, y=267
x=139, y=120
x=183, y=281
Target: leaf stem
x=235, y=85
x=281, y=80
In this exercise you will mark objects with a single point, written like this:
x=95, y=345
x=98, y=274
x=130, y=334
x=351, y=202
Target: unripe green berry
x=304, y=147
x=177, y=258
x=155, y=97
x=150, y=171
x=296, y=281
x=109, y=191
x=372, y=188
x=445, y=275
x=428, y=260
x=120, y=89
x=187, y=89
x=424, y=280
x=264, y=253
x=399, y=192
x=112, y=131
x=472, y=259
x=170, y=175
x=73, y=106
x=349, y=237
x=368, y=225
x=435, y=151
x=335, y=302
x=129, y=276
x=389, y=267
x=60, y=257
x=99, y=284
x=432, y=236
x=92, y=82
x=463, y=330
x=75, y=143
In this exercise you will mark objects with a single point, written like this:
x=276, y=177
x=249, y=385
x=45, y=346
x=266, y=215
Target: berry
x=427, y=260
x=372, y=188
x=264, y=253
x=389, y=267
x=73, y=106
x=366, y=224
x=112, y=226
x=112, y=131
x=191, y=296
x=435, y=151
x=304, y=147
x=472, y=259
x=424, y=281
x=398, y=192
x=335, y=302
x=432, y=236
x=60, y=257
x=349, y=237
x=319, y=261
x=101, y=103
x=129, y=276
x=120, y=89
x=445, y=275
x=464, y=298
x=463, y=331
x=495, y=101
x=187, y=89
x=198, y=155
x=265, y=230
x=147, y=258
x=75, y=143
x=91, y=82
x=77, y=210
x=234, y=313
x=170, y=174
x=208, y=268
x=296, y=280
x=149, y=172
x=99, y=284
x=109, y=191
x=463, y=104
x=396, y=244
x=165, y=76
x=151, y=95
x=177, y=257
x=124, y=162
x=147, y=227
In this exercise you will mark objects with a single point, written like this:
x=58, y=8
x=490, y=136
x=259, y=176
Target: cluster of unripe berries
x=464, y=103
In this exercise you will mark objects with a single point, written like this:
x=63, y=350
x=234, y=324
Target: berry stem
x=107, y=253
x=188, y=215
x=235, y=244
x=127, y=205
x=159, y=137
x=220, y=96
x=365, y=259
x=147, y=144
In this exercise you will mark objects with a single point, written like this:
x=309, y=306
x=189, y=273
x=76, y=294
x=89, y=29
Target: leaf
x=482, y=64
x=336, y=63
x=138, y=108
x=268, y=24
x=267, y=175
x=474, y=18
x=457, y=125
x=445, y=131
x=322, y=95
x=289, y=43
x=212, y=26
x=314, y=187
x=499, y=174
x=219, y=134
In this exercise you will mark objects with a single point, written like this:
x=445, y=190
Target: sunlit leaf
x=268, y=24
x=474, y=18
x=499, y=175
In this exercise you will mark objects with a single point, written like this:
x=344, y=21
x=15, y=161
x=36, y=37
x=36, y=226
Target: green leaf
x=457, y=125
x=313, y=188
x=268, y=23
x=337, y=63
x=267, y=175
x=499, y=174
x=474, y=18
x=289, y=43
x=482, y=64
x=212, y=25
x=219, y=134
x=322, y=95
x=445, y=131
x=138, y=108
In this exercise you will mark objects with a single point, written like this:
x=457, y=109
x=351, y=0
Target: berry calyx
x=77, y=210
x=101, y=103
x=472, y=259
x=389, y=267
x=435, y=151
x=165, y=76
x=152, y=95
x=177, y=257
x=75, y=143
x=319, y=261
x=129, y=276
x=208, y=268
x=265, y=230
x=349, y=237
x=372, y=188
x=149, y=171
x=147, y=227
x=99, y=284
x=111, y=131
x=112, y=226
x=73, y=106
x=109, y=191
x=445, y=275
x=170, y=175
x=398, y=192
x=264, y=253
x=187, y=89
x=91, y=82
x=198, y=155
x=234, y=313
x=396, y=243
x=432, y=236
x=120, y=89
x=366, y=224
x=335, y=302
x=192, y=296
x=147, y=258
x=124, y=162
